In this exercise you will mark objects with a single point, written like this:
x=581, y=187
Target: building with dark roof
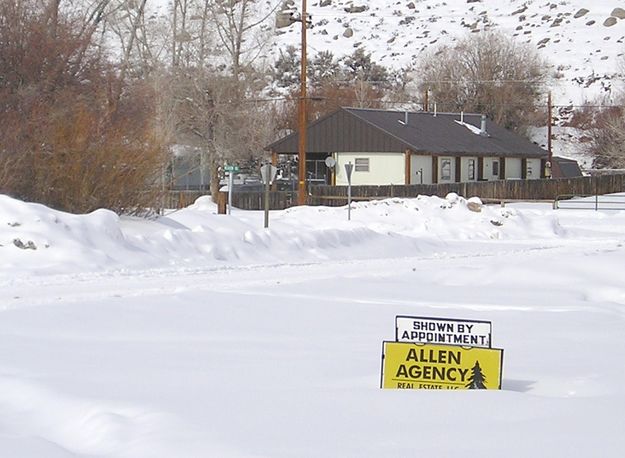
x=397, y=147
x=562, y=167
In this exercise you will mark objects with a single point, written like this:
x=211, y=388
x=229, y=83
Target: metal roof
x=368, y=130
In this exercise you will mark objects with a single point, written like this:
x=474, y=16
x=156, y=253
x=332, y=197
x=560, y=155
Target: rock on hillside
x=581, y=40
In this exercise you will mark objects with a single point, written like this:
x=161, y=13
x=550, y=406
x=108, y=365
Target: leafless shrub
x=68, y=138
x=608, y=138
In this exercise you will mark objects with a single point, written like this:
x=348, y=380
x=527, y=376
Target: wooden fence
x=487, y=190
x=278, y=200
x=181, y=199
x=503, y=190
x=246, y=200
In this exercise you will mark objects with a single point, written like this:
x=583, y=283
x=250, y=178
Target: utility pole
x=301, y=195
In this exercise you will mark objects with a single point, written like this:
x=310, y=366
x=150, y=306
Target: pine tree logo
x=477, y=380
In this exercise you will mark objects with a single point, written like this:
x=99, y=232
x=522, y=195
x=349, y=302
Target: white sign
x=268, y=173
x=465, y=333
x=349, y=167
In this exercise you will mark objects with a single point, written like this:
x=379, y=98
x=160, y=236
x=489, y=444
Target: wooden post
x=274, y=162
x=301, y=195
x=407, y=171
x=222, y=199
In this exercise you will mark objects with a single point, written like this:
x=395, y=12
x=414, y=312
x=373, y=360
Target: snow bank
x=37, y=239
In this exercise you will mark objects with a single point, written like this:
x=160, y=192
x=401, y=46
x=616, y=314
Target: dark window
x=446, y=169
x=316, y=171
x=362, y=164
x=496, y=168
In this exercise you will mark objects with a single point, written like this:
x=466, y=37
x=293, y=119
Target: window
x=496, y=168
x=316, y=171
x=446, y=169
x=362, y=164
x=471, y=169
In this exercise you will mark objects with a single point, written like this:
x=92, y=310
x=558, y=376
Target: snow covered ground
x=201, y=335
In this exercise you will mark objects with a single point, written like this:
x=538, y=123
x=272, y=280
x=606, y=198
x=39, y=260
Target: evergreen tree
x=477, y=380
x=360, y=65
x=323, y=68
x=287, y=67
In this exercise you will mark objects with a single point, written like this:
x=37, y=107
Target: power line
x=418, y=102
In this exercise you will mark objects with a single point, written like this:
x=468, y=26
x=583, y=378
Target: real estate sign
x=440, y=367
x=466, y=333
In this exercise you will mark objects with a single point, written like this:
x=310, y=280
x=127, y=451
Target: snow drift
x=42, y=240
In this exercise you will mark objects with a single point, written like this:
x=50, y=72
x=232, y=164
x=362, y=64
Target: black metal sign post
x=267, y=174
x=349, y=167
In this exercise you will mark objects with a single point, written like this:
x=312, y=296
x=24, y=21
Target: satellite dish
x=330, y=161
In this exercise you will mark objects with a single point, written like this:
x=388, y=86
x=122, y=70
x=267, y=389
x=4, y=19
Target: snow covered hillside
x=582, y=40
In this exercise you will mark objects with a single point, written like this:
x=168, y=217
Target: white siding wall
x=488, y=168
x=513, y=168
x=418, y=163
x=384, y=168
x=464, y=169
x=533, y=169
x=452, y=169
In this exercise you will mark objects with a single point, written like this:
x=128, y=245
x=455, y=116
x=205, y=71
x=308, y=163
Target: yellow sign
x=440, y=367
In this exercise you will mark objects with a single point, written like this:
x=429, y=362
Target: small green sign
x=232, y=168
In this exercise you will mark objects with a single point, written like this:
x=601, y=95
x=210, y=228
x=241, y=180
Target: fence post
x=596, y=193
x=222, y=199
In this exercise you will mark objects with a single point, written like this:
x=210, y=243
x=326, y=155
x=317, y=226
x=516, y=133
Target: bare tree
x=605, y=128
x=212, y=83
x=608, y=145
x=485, y=73
x=242, y=30
x=603, y=122
x=209, y=114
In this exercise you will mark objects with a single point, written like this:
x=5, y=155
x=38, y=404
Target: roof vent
x=483, y=132
x=405, y=121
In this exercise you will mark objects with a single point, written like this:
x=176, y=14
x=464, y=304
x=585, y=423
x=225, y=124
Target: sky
x=197, y=334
